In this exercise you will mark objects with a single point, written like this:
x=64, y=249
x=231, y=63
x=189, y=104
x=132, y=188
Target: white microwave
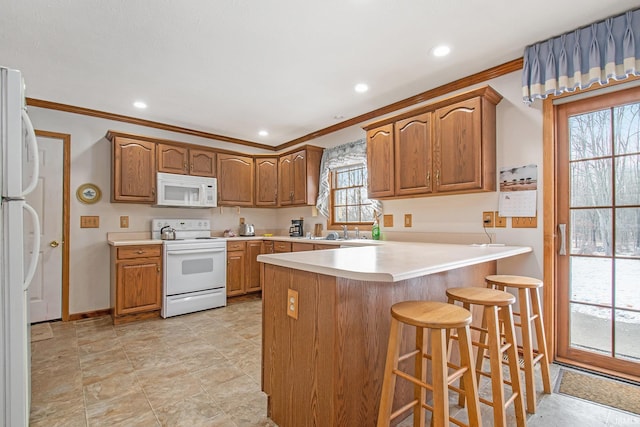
x=186, y=191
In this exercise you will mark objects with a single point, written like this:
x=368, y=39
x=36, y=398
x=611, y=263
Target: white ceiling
x=233, y=67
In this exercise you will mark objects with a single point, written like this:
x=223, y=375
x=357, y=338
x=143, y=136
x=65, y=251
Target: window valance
x=351, y=153
x=608, y=49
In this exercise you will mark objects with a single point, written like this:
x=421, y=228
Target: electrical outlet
x=292, y=303
x=487, y=219
x=501, y=221
x=407, y=220
x=124, y=221
x=241, y=220
x=387, y=220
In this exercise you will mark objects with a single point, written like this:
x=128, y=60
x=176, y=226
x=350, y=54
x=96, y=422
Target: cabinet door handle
x=428, y=177
x=438, y=177
x=191, y=166
x=158, y=269
x=140, y=251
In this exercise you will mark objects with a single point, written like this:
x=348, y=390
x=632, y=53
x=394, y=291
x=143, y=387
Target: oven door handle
x=193, y=251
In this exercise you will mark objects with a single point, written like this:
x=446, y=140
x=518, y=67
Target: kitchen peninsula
x=326, y=319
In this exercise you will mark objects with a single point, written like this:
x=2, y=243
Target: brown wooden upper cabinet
x=380, y=161
x=266, y=181
x=186, y=161
x=443, y=148
x=235, y=180
x=134, y=171
x=298, y=174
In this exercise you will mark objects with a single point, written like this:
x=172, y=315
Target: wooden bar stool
x=530, y=311
x=496, y=307
x=439, y=318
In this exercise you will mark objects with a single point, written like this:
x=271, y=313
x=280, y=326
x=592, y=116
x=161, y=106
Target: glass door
x=598, y=199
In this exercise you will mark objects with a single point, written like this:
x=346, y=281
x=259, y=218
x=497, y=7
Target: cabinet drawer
x=282, y=246
x=235, y=246
x=144, y=251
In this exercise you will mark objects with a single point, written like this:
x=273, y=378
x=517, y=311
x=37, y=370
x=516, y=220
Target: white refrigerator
x=18, y=248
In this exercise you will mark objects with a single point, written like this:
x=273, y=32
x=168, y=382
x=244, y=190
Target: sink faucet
x=345, y=232
x=357, y=233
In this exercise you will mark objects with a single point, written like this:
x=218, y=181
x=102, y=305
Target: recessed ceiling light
x=140, y=104
x=338, y=117
x=441, y=50
x=263, y=133
x=361, y=88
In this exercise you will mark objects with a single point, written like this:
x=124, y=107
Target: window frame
x=332, y=224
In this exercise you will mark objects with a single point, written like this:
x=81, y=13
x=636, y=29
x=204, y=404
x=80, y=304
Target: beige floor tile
x=76, y=417
x=110, y=355
x=130, y=409
x=213, y=377
x=95, y=373
x=168, y=385
x=99, y=346
x=197, y=410
x=90, y=336
x=60, y=405
x=111, y=387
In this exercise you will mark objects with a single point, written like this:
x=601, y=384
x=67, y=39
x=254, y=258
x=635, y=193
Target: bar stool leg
x=542, y=342
x=527, y=349
x=420, y=393
x=439, y=371
x=514, y=371
x=495, y=357
x=389, y=382
x=469, y=378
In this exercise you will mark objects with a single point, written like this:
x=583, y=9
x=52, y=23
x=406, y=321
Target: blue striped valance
x=604, y=50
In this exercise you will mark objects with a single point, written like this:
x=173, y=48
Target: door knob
x=54, y=244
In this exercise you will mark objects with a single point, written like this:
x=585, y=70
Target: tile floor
x=201, y=369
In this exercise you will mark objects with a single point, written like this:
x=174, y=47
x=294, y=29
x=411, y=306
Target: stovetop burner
x=185, y=229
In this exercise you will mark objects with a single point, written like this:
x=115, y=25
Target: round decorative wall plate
x=88, y=193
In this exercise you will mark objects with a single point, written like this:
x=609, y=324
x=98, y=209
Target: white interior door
x=45, y=291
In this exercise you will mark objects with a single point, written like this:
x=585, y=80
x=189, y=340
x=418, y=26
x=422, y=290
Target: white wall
x=519, y=142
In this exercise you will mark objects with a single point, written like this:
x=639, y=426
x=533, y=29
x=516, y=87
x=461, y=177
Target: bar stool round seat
x=514, y=281
x=497, y=338
x=481, y=296
x=439, y=318
x=431, y=314
x=530, y=314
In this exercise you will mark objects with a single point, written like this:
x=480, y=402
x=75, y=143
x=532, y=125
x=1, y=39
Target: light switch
x=387, y=220
x=407, y=220
x=124, y=221
x=89, y=222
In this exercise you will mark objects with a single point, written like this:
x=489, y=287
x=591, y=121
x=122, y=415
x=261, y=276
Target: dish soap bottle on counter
x=375, y=229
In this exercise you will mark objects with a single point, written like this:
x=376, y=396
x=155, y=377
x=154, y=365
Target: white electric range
x=194, y=267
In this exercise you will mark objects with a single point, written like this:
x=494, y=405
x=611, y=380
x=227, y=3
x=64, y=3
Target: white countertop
x=143, y=238
x=392, y=261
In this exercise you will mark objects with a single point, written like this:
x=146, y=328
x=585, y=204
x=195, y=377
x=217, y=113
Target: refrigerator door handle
x=32, y=143
x=36, y=246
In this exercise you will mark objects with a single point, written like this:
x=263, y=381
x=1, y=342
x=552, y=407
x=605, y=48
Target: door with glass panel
x=598, y=218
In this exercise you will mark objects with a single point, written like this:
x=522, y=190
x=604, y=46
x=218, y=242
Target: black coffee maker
x=296, y=229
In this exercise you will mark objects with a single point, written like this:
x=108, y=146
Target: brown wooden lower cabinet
x=280, y=246
x=325, y=368
x=136, y=282
x=243, y=268
x=299, y=247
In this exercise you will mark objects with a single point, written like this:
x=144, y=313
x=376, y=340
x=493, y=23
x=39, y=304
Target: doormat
x=600, y=390
x=41, y=332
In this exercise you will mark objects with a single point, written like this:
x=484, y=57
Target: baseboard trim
x=89, y=314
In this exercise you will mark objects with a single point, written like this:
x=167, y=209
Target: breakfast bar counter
x=326, y=319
